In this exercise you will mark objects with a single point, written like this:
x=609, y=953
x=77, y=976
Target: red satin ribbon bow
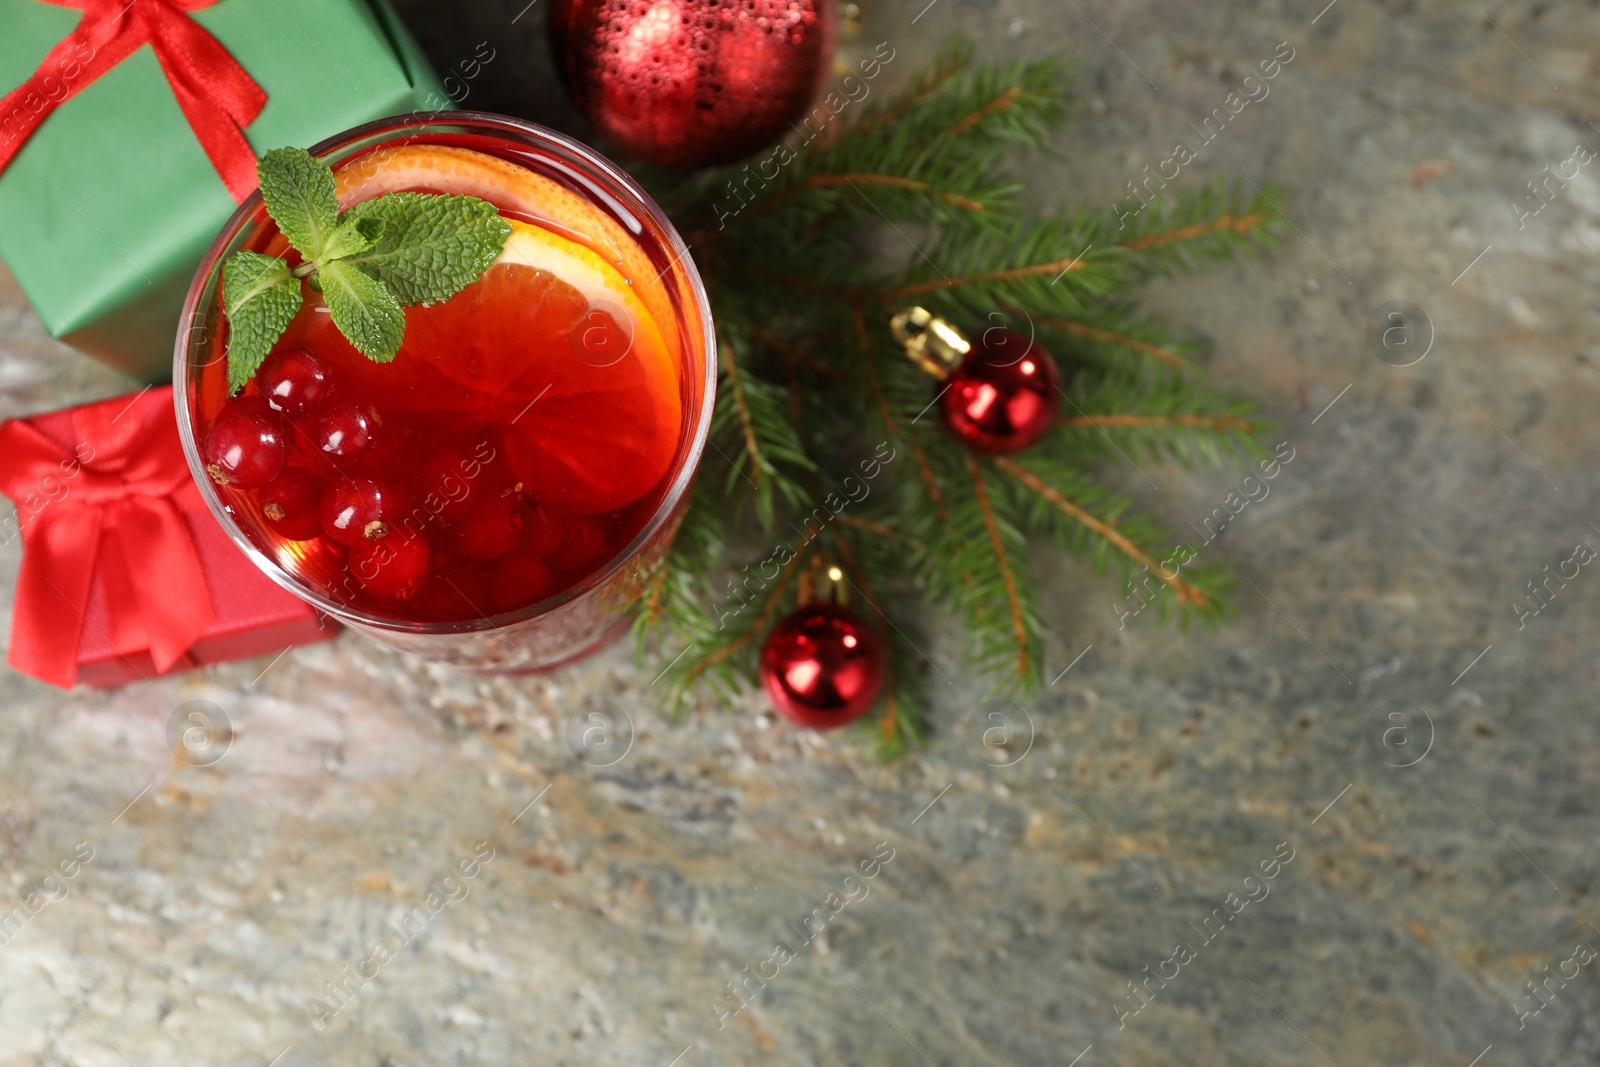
x=216, y=94
x=111, y=504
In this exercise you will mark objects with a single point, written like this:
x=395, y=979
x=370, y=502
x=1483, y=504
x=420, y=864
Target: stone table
x=1377, y=727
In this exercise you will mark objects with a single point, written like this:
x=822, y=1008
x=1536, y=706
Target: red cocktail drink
x=498, y=494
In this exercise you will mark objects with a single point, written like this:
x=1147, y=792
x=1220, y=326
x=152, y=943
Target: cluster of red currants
x=429, y=515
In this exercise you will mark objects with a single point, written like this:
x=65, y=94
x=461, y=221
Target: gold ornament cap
x=931, y=342
x=822, y=581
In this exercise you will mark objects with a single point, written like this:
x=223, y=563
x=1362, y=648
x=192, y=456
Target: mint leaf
x=261, y=298
x=353, y=235
x=370, y=262
x=431, y=247
x=364, y=311
x=299, y=193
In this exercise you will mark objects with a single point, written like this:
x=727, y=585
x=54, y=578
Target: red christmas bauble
x=1005, y=394
x=822, y=666
x=693, y=83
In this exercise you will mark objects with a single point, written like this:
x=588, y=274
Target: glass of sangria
x=500, y=494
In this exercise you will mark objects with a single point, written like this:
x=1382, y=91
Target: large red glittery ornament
x=822, y=666
x=999, y=394
x=693, y=83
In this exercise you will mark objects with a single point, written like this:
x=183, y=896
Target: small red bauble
x=822, y=666
x=999, y=394
x=1004, y=396
x=693, y=83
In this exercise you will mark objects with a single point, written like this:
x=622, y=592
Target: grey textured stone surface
x=1163, y=768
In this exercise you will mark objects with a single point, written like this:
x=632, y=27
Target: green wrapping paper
x=108, y=208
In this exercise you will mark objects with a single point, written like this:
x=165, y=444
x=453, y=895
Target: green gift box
x=107, y=209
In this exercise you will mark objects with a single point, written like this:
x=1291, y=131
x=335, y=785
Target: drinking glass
x=573, y=621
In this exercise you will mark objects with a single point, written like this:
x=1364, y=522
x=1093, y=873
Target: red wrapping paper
x=125, y=573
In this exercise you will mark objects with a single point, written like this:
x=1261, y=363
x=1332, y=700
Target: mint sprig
x=262, y=298
x=370, y=262
x=429, y=248
x=363, y=309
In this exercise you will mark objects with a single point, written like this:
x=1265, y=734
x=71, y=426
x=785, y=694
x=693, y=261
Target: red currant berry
x=393, y=566
x=291, y=503
x=566, y=542
x=456, y=593
x=245, y=452
x=543, y=532
x=395, y=453
x=359, y=510
x=346, y=431
x=250, y=404
x=584, y=539
x=458, y=478
x=492, y=531
x=517, y=582
x=294, y=382
x=442, y=487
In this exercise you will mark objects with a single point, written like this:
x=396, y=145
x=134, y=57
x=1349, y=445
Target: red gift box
x=125, y=573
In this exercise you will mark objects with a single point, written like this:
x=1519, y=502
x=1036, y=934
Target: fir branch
x=798, y=352
x=954, y=58
x=923, y=467
x=1062, y=266
x=1112, y=337
x=654, y=594
x=876, y=566
x=900, y=727
x=755, y=413
x=1173, y=418
x=1018, y=104
x=1012, y=598
x=829, y=181
x=929, y=156
x=1222, y=424
x=722, y=645
x=1005, y=100
x=1241, y=225
x=1058, y=266
x=881, y=530
x=889, y=727
x=1185, y=591
x=1214, y=222
x=795, y=253
x=705, y=663
x=758, y=463
x=1004, y=276
x=680, y=587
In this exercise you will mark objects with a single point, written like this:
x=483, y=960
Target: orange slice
x=427, y=168
x=554, y=340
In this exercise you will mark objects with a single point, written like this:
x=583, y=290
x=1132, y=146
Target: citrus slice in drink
x=514, y=190
x=554, y=342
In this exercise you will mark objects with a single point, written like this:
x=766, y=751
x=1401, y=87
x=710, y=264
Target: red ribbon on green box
x=216, y=94
x=130, y=111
